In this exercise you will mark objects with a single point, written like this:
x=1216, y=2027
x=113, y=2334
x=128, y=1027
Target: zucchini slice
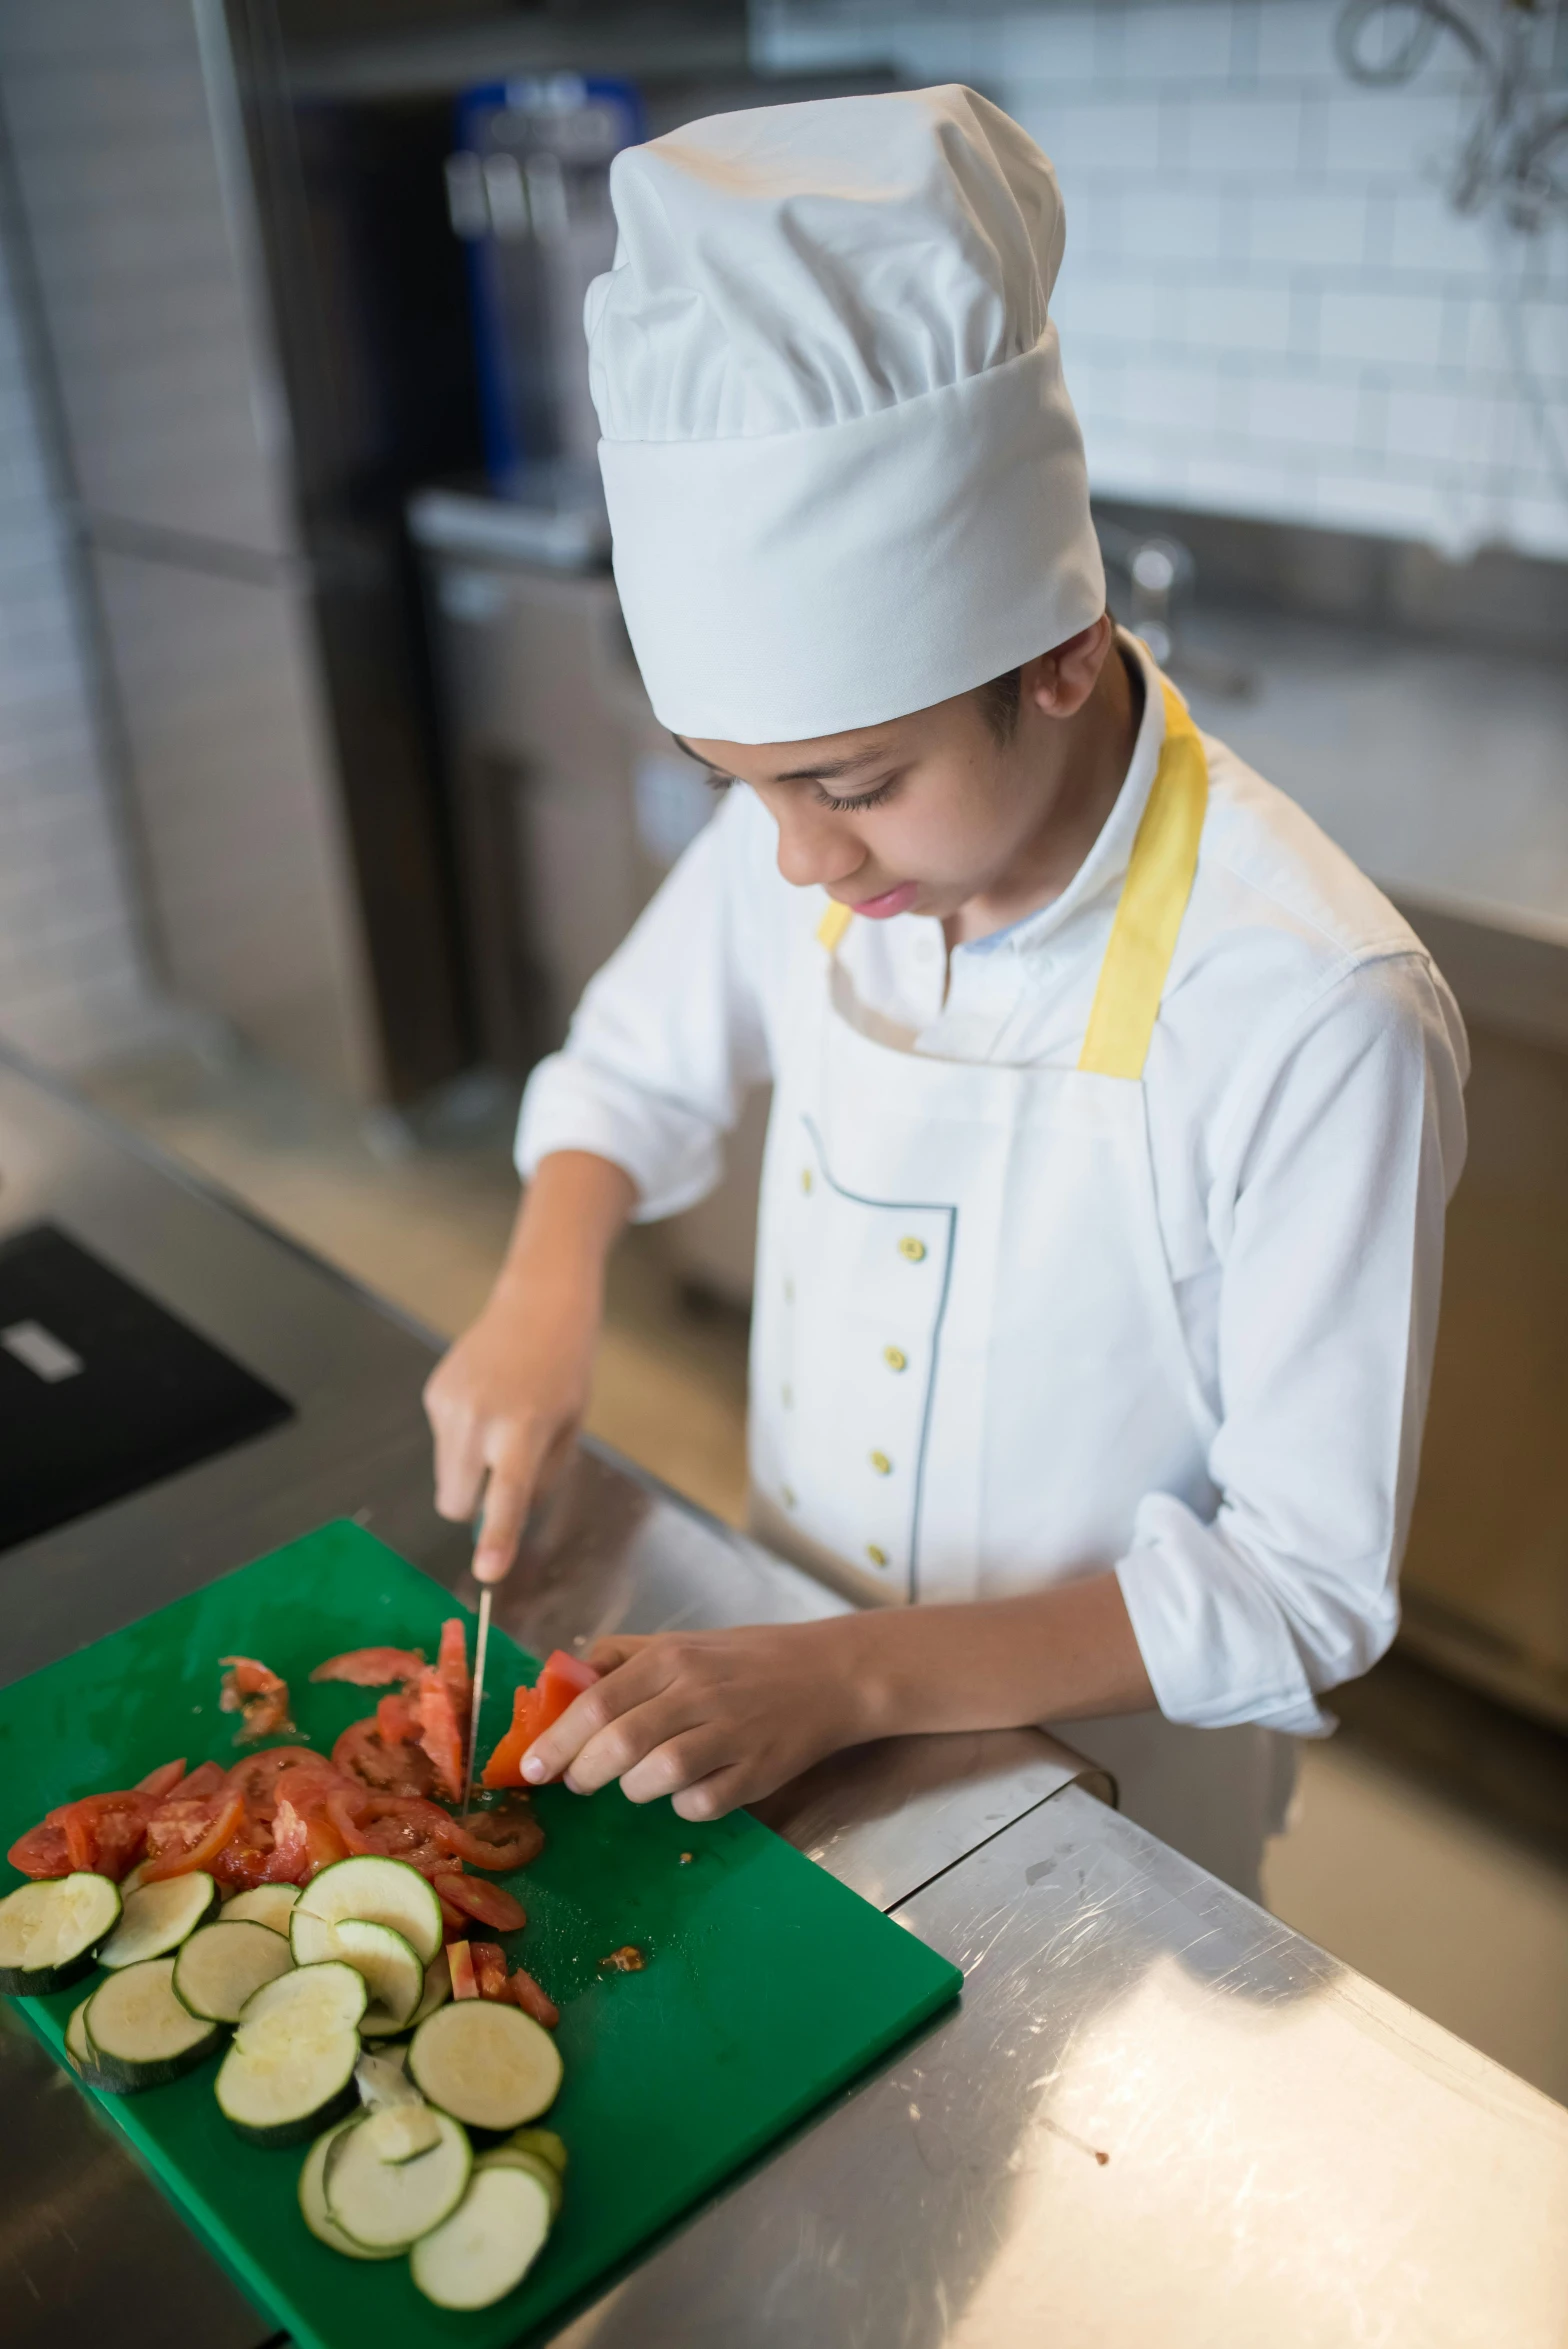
x=381, y=1892
x=508, y=2157
x=156, y=1918
x=310, y=1999
x=385, y=2196
x=264, y=1904
x=381, y=2080
x=138, y=2034
x=313, y=2202
x=393, y=1973
x=50, y=1932
x=290, y=2070
x=487, y=2064
x=80, y=2053
x=484, y=2250
x=224, y=1965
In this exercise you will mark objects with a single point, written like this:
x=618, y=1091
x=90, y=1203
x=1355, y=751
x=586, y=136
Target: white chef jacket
x=1305, y=1113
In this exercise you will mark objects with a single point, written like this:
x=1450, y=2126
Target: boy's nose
x=815, y=851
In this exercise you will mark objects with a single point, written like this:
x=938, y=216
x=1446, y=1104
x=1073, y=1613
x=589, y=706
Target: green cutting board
x=768, y=1986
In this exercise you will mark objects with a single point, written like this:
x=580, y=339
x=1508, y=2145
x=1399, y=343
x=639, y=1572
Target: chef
x=1114, y=1112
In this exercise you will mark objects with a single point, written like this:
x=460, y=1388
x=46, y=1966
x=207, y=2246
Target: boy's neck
x=1091, y=753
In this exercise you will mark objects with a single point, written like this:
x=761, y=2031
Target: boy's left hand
x=712, y=1718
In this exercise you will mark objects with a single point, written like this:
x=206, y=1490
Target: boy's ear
x=1059, y=682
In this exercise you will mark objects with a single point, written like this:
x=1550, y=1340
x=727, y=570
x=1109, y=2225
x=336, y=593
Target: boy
x=1115, y=1113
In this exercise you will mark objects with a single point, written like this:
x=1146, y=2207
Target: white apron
x=968, y=1367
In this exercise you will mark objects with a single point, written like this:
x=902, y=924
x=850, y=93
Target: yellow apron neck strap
x=1153, y=901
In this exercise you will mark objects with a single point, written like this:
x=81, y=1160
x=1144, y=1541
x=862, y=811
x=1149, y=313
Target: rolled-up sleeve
x=670, y=1034
x=1327, y=1218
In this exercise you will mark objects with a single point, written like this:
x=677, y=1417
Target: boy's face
x=924, y=813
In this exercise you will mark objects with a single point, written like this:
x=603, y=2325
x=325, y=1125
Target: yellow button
x=787, y=1496
x=912, y=1249
x=805, y=1178
x=877, y=1556
x=895, y=1357
x=881, y=1463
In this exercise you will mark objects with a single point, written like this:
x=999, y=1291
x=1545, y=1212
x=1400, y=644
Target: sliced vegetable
x=532, y=1997
x=222, y=1966
x=41, y=1851
x=106, y=1833
x=441, y=1732
x=155, y=1918
x=163, y=1780
x=460, y=1966
x=382, y=2194
x=489, y=2065
x=225, y=1825
x=313, y=2201
x=484, y=2250
x=534, y=1710
x=543, y=2144
x=78, y=2049
x=50, y=1932
x=488, y=1959
x=291, y=2068
x=380, y=1891
x=382, y=2079
x=387, y=1959
x=438, y=1989
x=372, y=1667
x=489, y=1903
x=509, y=2157
x=265, y=1904
x=257, y=1695
x=139, y=2034
x=499, y=1840
x=330, y=1996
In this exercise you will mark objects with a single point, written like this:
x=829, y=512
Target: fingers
x=460, y=1468
x=593, y=1716
x=715, y=1796
x=507, y=1499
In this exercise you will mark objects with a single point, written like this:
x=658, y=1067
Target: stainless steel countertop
x=1156, y=2116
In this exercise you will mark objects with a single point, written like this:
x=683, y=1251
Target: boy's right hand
x=505, y=1406
x=506, y=1403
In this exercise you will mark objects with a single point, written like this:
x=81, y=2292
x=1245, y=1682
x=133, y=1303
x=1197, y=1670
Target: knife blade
x=477, y=1697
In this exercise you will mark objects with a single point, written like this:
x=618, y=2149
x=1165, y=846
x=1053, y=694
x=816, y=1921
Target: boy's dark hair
x=1000, y=699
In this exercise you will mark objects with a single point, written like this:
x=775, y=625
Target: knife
x=486, y=1591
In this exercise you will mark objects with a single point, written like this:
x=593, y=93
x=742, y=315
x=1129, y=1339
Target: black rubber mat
x=102, y=1391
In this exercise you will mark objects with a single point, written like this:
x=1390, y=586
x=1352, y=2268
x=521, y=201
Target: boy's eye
x=865, y=799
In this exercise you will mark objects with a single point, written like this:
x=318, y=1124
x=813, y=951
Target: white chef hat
x=844, y=477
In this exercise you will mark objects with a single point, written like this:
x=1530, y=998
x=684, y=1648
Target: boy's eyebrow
x=825, y=771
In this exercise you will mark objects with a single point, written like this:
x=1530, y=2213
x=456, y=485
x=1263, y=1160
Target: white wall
x=1266, y=307
x=73, y=984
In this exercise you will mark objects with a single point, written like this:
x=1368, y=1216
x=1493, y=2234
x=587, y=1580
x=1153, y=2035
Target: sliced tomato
x=452, y=1665
x=498, y=1840
x=562, y=1681
x=225, y=1825
x=490, y=1904
x=397, y=1718
x=105, y=1832
x=206, y=1780
x=303, y=1842
x=394, y=1827
x=372, y=1667
x=257, y=1776
x=253, y=1690
x=533, y=1998
x=244, y=1862
x=453, y=1919
x=363, y=1753
x=163, y=1780
x=534, y=1710
x=441, y=1732
x=505, y=1766
x=460, y=1964
x=489, y=1960
x=41, y=1851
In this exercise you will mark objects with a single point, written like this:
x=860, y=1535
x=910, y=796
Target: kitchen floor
x=1426, y=1847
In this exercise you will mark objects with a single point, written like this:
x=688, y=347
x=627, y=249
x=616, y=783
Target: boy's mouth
x=891, y=902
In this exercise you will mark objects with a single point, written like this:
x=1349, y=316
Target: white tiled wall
x=1267, y=307
x=73, y=986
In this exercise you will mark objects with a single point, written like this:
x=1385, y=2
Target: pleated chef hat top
x=844, y=477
